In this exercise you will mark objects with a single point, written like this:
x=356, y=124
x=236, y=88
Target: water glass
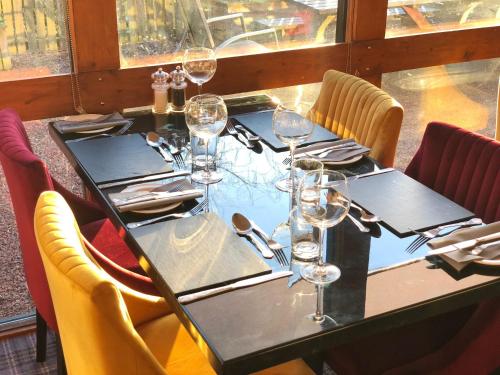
x=198, y=146
x=298, y=171
x=304, y=238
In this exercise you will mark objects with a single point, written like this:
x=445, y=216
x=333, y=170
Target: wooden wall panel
x=39, y=97
x=410, y=52
x=116, y=89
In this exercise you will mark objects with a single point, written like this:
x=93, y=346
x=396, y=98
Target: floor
x=463, y=94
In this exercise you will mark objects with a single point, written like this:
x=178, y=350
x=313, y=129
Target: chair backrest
x=462, y=165
x=96, y=331
x=27, y=177
x=354, y=108
x=197, y=24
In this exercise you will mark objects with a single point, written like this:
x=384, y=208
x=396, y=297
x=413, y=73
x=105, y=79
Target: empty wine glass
x=206, y=117
x=292, y=128
x=323, y=200
x=200, y=65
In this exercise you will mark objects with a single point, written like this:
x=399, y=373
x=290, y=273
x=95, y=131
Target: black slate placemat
x=118, y=158
x=197, y=253
x=405, y=204
x=261, y=124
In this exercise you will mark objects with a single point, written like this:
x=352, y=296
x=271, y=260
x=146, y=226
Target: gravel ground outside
x=463, y=97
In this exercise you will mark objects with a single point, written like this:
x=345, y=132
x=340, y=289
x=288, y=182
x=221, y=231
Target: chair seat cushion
x=104, y=237
x=174, y=348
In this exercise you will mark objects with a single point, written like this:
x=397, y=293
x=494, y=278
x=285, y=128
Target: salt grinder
x=160, y=87
x=178, y=86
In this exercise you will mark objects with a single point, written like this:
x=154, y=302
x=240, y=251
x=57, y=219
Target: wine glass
x=292, y=128
x=200, y=65
x=323, y=200
x=206, y=117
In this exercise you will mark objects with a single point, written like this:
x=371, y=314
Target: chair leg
x=41, y=338
x=61, y=364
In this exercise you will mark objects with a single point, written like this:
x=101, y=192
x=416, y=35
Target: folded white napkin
x=343, y=150
x=90, y=122
x=459, y=259
x=151, y=195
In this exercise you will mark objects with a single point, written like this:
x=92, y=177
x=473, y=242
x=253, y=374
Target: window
x=421, y=16
x=157, y=31
x=33, y=39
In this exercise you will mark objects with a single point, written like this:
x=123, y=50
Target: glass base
x=322, y=319
x=307, y=251
x=204, y=177
x=284, y=185
x=320, y=275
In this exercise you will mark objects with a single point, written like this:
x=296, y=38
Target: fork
x=120, y=131
x=231, y=130
x=176, y=187
x=435, y=231
x=275, y=246
x=195, y=210
x=426, y=236
x=176, y=154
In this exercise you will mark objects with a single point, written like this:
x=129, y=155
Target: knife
x=239, y=284
x=142, y=179
x=331, y=145
x=150, y=196
x=464, y=245
x=380, y=171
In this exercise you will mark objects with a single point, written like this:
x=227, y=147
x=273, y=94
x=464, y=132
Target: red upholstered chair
x=27, y=176
x=465, y=167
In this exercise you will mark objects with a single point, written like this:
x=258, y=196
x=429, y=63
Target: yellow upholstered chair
x=354, y=108
x=105, y=327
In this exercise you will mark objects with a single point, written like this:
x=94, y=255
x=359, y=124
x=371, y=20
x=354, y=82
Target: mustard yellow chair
x=354, y=108
x=105, y=327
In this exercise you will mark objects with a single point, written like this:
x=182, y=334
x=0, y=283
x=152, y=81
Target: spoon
x=250, y=136
x=243, y=226
x=154, y=140
x=365, y=216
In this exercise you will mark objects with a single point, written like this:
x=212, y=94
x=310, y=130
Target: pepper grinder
x=160, y=87
x=178, y=86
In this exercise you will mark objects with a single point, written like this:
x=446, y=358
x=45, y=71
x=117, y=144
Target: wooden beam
x=367, y=19
x=416, y=51
x=117, y=89
x=38, y=97
x=95, y=35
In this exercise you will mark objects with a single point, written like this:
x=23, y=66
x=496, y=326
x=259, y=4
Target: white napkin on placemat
x=151, y=195
x=459, y=259
x=345, y=149
x=88, y=122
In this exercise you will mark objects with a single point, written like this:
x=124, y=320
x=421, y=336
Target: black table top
x=253, y=328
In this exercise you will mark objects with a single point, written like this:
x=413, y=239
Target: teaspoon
x=154, y=140
x=243, y=226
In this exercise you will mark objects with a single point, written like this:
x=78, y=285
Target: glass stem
x=318, y=317
x=320, y=247
x=292, y=154
x=207, y=170
x=199, y=88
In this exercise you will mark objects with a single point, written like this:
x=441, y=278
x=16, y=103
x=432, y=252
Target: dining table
x=382, y=286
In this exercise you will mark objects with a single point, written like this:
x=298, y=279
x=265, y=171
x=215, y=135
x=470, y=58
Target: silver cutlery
x=426, y=236
x=231, y=130
x=120, y=131
x=365, y=216
x=176, y=186
x=153, y=140
x=132, y=181
x=151, y=196
x=251, y=137
x=275, y=246
x=327, y=152
x=468, y=244
x=239, y=284
x=243, y=226
x=358, y=224
x=194, y=211
x=373, y=173
x=435, y=231
x=175, y=152
x=479, y=249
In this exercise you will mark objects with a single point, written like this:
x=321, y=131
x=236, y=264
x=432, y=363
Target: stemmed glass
x=292, y=128
x=200, y=65
x=206, y=117
x=323, y=200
